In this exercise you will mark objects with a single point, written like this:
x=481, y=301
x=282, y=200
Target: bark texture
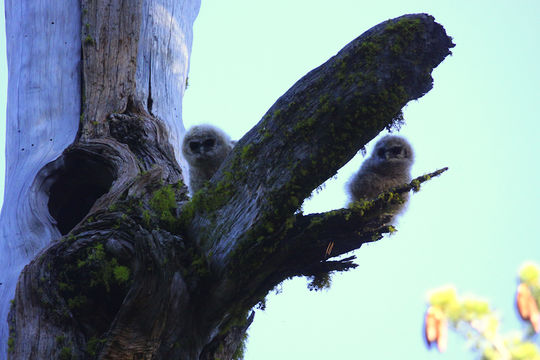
x=151, y=274
x=57, y=163
x=42, y=118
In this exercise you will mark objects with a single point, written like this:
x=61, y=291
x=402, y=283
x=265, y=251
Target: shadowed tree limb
x=241, y=220
x=314, y=129
x=311, y=131
x=347, y=228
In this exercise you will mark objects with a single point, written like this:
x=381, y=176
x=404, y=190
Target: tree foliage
x=475, y=319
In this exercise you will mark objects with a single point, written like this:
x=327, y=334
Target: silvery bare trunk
x=139, y=50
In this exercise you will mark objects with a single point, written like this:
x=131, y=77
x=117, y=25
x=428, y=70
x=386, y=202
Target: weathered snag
x=174, y=277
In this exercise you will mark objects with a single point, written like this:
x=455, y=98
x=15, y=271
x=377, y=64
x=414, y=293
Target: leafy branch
x=475, y=320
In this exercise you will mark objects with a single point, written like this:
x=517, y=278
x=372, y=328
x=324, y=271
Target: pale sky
x=472, y=227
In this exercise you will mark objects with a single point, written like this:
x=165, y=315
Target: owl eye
x=396, y=150
x=194, y=145
x=380, y=153
x=209, y=143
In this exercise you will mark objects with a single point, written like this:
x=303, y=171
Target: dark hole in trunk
x=78, y=183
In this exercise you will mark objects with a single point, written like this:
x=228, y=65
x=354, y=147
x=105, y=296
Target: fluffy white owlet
x=388, y=166
x=204, y=147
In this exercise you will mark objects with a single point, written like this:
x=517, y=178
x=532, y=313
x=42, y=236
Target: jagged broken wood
x=149, y=273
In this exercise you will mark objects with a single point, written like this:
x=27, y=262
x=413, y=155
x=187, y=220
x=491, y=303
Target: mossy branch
x=346, y=229
x=311, y=132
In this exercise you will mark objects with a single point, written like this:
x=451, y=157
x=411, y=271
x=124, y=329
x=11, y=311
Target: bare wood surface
x=45, y=97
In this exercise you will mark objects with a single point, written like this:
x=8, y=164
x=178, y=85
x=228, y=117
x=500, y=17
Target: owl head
x=393, y=149
x=205, y=144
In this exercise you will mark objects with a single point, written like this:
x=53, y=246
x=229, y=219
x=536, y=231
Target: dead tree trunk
x=144, y=272
x=70, y=63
